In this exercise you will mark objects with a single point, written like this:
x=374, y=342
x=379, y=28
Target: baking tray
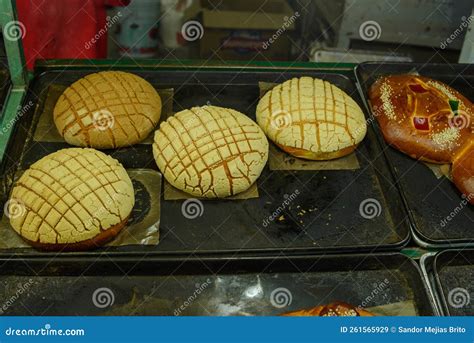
x=329, y=200
x=243, y=286
x=426, y=266
x=429, y=200
x=453, y=272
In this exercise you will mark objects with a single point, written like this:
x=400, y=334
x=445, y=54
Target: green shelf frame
x=186, y=64
x=17, y=73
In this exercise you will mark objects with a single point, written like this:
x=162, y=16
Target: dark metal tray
x=208, y=286
x=5, y=82
x=429, y=200
x=232, y=226
x=426, y=266
x=454, y=280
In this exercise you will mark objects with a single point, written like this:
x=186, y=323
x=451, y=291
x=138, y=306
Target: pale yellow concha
x=210, y=151
x=312, y=119
x=77, y=197
x=109, y=109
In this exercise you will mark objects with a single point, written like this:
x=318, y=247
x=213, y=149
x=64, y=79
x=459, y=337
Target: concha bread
x=312, y=119
x=72, y=199
x=108, y=109
x=210, y=151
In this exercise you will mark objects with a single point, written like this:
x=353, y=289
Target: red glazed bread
x=336, y=309
x=427, y=120
x=423, y=118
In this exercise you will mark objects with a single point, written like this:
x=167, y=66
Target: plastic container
x=171, y=22
x=138, y=34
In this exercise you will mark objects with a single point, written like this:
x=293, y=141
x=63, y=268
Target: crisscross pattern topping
x=311, y=114
x=107, y=110
x=70, y=196
x=210, y=151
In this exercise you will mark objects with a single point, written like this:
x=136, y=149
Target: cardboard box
x=244, y=29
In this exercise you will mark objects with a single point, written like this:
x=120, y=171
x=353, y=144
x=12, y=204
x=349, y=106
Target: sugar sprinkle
x=387, y=106
x=443, y=89
x=446, y=138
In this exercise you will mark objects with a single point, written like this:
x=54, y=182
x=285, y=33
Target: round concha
x=312, y=119
x=107, y=110
x=210, y=151
x=72, y=199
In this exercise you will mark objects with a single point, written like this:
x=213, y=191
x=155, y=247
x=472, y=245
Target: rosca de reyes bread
x=311, y=119
x=72, y=199
x=427, y=120
x=336, y=309
x=421, y=117
x=210, y=151
x=108, y=109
